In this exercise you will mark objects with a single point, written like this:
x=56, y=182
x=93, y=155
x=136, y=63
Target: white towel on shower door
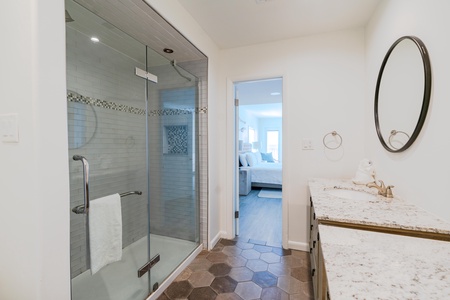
x=105, y=231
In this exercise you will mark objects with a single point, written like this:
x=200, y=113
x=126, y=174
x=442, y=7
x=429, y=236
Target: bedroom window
x=251, y=135
x=273, y=143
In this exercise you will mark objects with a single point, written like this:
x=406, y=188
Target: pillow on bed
x=251, y=159
x=243, y=160
x=258, y=157
x=267, y=157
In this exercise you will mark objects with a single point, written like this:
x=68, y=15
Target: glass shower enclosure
x=132, y=118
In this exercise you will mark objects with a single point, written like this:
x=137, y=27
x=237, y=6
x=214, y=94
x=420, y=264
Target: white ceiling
x=261, y=98
x=236, y=23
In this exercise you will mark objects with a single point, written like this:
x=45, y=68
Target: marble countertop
x=380, y=211
x=370, y=265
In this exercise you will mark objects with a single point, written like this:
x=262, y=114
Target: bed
x=263, y=173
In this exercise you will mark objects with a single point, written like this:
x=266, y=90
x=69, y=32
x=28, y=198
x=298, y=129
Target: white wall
x=420, y=174
x=323, y=90
x=250, y=121
x=34, y=223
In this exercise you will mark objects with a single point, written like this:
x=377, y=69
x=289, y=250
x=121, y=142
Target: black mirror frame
x=426, y=93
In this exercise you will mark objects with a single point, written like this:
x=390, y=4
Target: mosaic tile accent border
x=75, y=97
x=177, y=139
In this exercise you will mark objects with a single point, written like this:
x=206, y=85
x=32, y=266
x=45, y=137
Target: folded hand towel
x=365, y=172
x=105, y=231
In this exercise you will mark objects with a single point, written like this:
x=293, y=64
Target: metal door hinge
x=236, y=214
x=144, y=269
x=236, y=102
x=146, y=75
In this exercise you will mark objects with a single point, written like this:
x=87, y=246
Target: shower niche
x=137, y=135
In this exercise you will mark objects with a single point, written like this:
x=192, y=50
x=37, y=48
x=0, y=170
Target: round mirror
x=402, y=94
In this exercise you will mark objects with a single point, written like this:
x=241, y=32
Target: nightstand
x=245, y=183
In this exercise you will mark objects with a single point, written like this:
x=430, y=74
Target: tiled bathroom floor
x=244, y=269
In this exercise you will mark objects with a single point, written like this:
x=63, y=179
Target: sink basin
x=351, y=194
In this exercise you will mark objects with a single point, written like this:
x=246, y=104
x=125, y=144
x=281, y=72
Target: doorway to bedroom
x=259, y=158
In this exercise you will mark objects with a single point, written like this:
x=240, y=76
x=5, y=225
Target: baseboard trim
x=215, y=240
x=298, y=246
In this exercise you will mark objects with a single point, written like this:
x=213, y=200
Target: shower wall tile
x=114, y=142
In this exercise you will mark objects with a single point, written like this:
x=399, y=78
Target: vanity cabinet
x=391, y=219
x=318, y=274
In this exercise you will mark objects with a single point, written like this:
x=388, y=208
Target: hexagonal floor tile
x=237, y=261
x=270, y=258
x=292, y=261
x=179, y=289
x=241, y=274
x=279, y=269
x=281, y=251
x=301, y=273
x=223, y=285
x=217, y=248
x=289, y=284
x=244, y=245
x=200, y=264
x=274, y=293
x=301, y=254
x=203, y=293
x=250, y=254
x=257, y=242
x=265, y=279
x=184, y=275
x=262, y=249
x=220, y=269
x=216, y=257
x=201, y=278
x=227, y=242
x=231, y=250
x=257, y=265
x=228, y=296
x=248, y=290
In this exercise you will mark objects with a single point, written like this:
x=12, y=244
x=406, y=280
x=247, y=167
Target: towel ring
x=394, y=133
x=334, y=134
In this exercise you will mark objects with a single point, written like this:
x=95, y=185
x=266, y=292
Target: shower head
x=68, y=17
x=174, y=65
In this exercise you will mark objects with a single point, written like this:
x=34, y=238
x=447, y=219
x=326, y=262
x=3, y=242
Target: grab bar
x=85, y=208
x=130, y=193
x=80, y=208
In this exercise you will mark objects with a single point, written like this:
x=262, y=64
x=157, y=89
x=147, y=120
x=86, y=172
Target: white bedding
x=266, y=173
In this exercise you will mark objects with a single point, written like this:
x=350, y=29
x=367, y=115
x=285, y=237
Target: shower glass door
x=173, y=164
x=106, y=105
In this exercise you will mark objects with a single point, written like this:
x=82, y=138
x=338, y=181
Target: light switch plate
x=9, y=128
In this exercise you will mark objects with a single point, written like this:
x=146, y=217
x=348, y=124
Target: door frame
x=232, y=171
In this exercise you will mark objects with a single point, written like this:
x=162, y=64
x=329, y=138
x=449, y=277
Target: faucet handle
x=389, y=191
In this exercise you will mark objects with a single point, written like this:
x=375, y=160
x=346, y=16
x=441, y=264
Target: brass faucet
x=382, y=189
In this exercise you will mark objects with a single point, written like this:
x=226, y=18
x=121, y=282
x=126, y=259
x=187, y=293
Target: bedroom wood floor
x=260, y=218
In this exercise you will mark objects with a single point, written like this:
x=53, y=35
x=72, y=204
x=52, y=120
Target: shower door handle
x=85, y=208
